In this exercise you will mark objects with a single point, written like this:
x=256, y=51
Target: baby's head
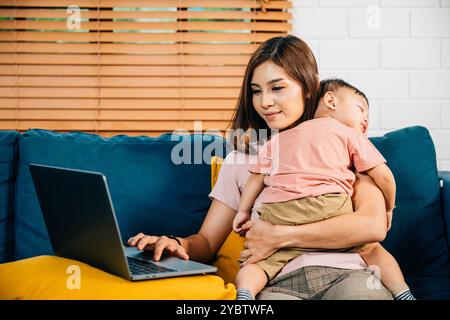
x=343, y=102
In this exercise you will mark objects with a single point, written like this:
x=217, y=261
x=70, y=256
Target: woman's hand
x=158, y=245
x=261, y=239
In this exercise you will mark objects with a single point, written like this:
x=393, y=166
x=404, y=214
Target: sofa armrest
x=444, y=177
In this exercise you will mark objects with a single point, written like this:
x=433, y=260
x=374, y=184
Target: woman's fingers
x=246, y=255
x=182, y=253
x=250, y=258
x=146, y=242
x=134, y=240
x=158, y=245
x=171, y=246
x=247, y=226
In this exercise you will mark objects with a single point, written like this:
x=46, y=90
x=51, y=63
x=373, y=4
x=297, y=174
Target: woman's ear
x=330, y=100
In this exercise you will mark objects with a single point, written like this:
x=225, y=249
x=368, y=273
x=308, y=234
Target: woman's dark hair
x=295, y=57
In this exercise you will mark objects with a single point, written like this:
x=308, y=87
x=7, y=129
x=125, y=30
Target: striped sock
x=405, y=295
x=244, y=294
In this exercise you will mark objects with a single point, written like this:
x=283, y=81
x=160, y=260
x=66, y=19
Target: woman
x=279, y=91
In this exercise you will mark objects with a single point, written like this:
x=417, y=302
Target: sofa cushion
x=151, y=193
x=227, y=258
x=445, y=200
x=417, y=237
x=8, y=158
x=49, y=277
x=429, y=287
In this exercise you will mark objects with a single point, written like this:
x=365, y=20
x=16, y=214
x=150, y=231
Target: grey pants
x=325, y=283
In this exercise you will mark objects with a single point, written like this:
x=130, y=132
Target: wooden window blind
x=129, y=67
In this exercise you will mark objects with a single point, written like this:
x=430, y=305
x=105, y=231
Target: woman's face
x=277, y=98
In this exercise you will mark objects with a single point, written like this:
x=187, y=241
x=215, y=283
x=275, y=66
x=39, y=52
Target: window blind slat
x=159, y=49
x=124, y=126
x=120, y=115
x=121, y=82
x=70, y=36
x=123, y=70
x=122, y=59
x=274, y=4
x=188, y=26
x=109, y=14
x=132, y=104
x=45, y=92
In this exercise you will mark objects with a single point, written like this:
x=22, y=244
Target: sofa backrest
x=150, y=192
x=8, y=160
x=417, y=237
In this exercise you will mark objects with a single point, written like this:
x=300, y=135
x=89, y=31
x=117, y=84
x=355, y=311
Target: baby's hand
x=239, y=220
x=389, y=219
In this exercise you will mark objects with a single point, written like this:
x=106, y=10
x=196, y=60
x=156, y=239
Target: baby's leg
x=250, y=279
x=390, y=274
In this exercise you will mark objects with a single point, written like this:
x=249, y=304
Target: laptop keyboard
x=138, y=267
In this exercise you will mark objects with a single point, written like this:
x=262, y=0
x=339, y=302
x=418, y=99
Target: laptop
x=82, y=225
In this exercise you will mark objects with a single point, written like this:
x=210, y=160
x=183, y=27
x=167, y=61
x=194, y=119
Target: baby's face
x=352, y=110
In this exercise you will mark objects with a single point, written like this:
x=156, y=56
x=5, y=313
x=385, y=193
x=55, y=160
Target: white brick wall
x=430, y=23
x=394, y=23
x=445, y=54
x=305, y=3
x=325, y=74
x=320, y=23
x=410, y=54
x=409, y=3
x=347, y=3
x=395, y=114
x=441, y=142
x=375, y=114
x=381, y=84
x=402, y=64
x=354, y=55
x=430, y=84
x=445, y=114
x=444, y=165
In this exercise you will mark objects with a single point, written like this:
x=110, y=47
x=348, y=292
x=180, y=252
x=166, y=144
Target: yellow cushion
x=226, y=260
x=216, y=164
x=49, y=277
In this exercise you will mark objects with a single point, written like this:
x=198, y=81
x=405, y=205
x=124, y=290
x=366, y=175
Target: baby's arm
x=251, y=190
x=384, y=179
x=387, y=268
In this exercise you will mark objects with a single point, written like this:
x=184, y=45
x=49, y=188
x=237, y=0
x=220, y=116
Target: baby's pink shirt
x=228, y=189
x=312, y=159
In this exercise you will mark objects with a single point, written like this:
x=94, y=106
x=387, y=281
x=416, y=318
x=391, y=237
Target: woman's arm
x=384, y=179
x=366, y=225
x=201, y=246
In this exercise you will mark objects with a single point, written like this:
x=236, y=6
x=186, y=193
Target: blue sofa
x=155, y=195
